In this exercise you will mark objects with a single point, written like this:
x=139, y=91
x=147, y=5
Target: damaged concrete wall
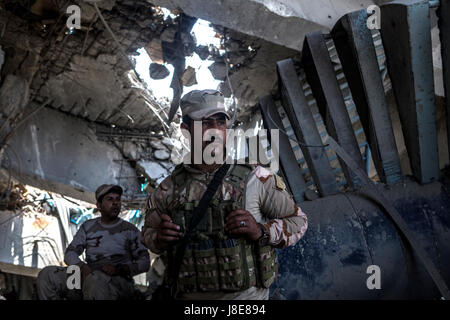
x=54, y=148
x=66, y=154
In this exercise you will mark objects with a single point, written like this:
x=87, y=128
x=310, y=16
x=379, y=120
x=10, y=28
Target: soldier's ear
x=98, y=206
x=186, y=130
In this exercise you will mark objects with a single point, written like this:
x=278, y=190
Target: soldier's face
x=214, y=127
x=110, y=205
x=213, y=130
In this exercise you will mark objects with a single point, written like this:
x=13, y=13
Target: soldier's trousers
x=52, y=285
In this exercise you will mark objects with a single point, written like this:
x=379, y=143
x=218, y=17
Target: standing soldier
x=229, y=253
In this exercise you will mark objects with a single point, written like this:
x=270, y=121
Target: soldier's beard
x=218, y=152
x=111, y=214
x=213, y=151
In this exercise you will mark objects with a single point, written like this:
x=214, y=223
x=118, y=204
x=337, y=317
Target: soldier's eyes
x=220, y=123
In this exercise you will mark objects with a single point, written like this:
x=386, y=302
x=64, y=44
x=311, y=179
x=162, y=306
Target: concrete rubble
x=189, y=79
x=158, y=71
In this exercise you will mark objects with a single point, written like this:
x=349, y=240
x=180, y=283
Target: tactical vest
x=212, y=260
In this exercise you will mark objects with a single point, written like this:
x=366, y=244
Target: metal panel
x=405, y=30
x=354, y=44
x=443, y=13
x=348, y=232
x=325, y=87
x=288, y=162
x=305, y=129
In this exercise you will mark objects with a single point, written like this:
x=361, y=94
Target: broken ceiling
x=82, y=71
x=104, y=107
x=84, y=74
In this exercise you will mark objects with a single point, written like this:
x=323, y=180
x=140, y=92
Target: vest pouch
x=187, y=279
x=231, y=271
x=206, y=266
x=218, y=218
x=267, y=265
x=204, y=226
x=179, y=218
x=183, y=216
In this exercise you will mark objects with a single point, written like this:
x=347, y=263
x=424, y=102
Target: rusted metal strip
x=288, y=163
x=325, y=87
x=305, y=129
x=405, y=30
x=354, y=44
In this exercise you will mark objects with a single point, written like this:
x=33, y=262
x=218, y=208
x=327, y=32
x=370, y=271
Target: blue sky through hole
x=205, y=35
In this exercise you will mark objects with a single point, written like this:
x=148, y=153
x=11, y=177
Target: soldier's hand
x=242, y=222
x=85, y=271
x=167, y=233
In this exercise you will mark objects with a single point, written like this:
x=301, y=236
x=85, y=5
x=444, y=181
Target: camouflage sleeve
x=139, y=254
x=155, y=206
x=76, y=247
x=286, y=222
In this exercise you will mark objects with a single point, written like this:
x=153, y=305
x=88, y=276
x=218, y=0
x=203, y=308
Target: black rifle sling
x=197, y=216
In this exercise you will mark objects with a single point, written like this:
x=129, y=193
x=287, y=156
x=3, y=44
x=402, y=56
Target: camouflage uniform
x=115, y=244
x=51, y=285
x=216, y=266
x=265, y=197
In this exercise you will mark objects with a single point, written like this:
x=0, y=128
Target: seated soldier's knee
x=47, y=274
x=50, y=282
x=96, y=286
x=97, y=277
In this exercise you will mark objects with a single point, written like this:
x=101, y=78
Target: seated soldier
x=114, y=254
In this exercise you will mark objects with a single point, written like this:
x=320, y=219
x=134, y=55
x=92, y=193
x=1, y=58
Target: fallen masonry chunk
x=158, y=71
x=202, y=51
x=189, y=78
x=154, y=50
x=218, y=70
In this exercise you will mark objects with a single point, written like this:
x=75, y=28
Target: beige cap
x=201, y=104
x=107, y=188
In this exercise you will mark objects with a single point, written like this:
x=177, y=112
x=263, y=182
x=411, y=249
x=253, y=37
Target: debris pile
x=33, y=202
x=29, y=200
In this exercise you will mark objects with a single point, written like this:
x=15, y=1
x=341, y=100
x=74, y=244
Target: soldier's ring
x=242, y=224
